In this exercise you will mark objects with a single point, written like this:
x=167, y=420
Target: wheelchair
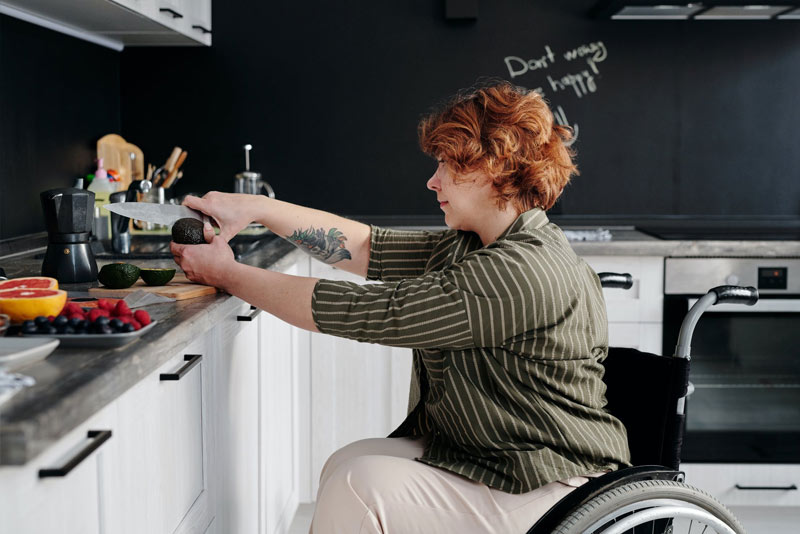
x=648, y=394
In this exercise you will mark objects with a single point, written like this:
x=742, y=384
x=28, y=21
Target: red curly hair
x=508, y=133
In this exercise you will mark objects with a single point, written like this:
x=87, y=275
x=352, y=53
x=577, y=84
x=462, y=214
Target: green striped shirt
x=508, y=342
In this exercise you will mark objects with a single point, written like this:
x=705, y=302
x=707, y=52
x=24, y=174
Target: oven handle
x=791, y=487
x=762, y=306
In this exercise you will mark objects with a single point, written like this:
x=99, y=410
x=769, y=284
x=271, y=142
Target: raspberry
x=94, y=314
x=142, y=317
x=121, y=309
x=71, y=309
x=136, y=325
x=105, y=304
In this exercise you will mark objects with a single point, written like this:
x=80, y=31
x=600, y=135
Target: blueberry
x=47, y=329
x=60, y=329
x=42, y=321
x=104, y=329
x=28, y=323
x=60, y=321
x=30, y=328
x=102, y=320
x=68, y=330
x=75, y=322
x=116, y=324
x=128, y=328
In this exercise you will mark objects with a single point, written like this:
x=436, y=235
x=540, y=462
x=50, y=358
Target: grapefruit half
x=24, y=304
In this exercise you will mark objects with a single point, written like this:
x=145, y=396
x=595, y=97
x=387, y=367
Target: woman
x=508, y=326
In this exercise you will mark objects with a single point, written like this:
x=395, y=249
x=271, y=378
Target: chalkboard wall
x=673, y=117
x=58, y=95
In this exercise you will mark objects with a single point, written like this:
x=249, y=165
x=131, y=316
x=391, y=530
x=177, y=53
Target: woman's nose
x=434, y=184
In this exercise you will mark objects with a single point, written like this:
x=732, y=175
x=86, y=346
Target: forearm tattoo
x=327, y=247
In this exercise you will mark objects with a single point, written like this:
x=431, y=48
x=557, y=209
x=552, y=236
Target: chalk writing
x=596, y=51
x=581, y=82
x=561, y=118
x=523, y=66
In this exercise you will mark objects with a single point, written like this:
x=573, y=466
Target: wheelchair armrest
x=550, y=520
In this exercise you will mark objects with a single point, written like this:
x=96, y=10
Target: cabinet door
x=360, y=390
x=160, y=479
x=234, y=398
x=644, y=301
x=69, y=504
x=279, y=429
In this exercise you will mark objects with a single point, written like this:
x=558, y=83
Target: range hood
x=706, y=10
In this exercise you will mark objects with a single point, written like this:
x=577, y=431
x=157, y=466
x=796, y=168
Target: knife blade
x=155, y=213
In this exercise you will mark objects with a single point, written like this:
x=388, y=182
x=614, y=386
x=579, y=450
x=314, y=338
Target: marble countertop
x=73, y=384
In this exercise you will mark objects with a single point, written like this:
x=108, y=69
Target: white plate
x=95, y=341
x=16, y=352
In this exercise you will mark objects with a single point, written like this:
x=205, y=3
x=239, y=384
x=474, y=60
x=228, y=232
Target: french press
x=250, y=182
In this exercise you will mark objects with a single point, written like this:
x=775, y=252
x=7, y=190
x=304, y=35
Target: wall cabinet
x=120, y=23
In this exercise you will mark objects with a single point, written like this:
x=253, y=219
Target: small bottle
x=100, y=173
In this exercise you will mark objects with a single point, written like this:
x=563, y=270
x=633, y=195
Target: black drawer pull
x=202, y=29
x=98, y=438
x=175, y=14
x=792, y=487
x=190, y=359
x=250, y=316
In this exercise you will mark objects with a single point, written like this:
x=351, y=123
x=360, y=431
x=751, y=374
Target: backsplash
x=58, y=95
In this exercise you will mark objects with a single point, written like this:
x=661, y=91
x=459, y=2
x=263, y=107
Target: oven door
x=745, y=368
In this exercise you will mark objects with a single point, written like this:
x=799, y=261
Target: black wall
x=688, y=118
x=58, y=95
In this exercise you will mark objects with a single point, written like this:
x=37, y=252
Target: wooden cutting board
x=116, y=154
x=180, y=288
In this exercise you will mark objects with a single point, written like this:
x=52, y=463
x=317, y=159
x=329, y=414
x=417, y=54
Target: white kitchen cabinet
x=635, y=315
x=119, y=23
x=234, y=395
x=360, y=390
x=158, y=480
x=761, y=511
x=278, y=422
x=69, y=504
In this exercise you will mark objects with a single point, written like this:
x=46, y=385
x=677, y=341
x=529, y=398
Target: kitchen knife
x=155, y=213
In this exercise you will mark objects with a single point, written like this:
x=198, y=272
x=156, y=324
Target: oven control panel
x=695, y=276
x=772, y=278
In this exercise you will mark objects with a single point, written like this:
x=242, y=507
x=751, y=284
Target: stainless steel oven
x=745, y=361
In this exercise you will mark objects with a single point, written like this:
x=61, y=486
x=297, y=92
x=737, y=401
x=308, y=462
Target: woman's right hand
x=232, y=211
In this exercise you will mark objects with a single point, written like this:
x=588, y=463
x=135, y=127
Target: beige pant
x=375, y=486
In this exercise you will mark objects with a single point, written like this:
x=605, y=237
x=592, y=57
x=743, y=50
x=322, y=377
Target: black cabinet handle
x=250, y=316
x=791, y=487
x=98, y=438
x=190, y=359
x=175, y=14
x=202, y=29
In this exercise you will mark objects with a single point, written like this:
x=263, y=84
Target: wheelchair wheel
x=651, y=507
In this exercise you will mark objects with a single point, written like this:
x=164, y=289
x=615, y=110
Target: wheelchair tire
x=626, y=497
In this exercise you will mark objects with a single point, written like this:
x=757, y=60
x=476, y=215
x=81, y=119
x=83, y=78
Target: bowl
x=4, y=322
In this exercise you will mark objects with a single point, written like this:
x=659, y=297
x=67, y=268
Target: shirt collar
x=527, y=221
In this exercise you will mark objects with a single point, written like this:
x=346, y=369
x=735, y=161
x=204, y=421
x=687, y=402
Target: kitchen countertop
x=73, y=384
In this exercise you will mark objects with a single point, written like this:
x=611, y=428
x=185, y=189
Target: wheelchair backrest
x=643, y=391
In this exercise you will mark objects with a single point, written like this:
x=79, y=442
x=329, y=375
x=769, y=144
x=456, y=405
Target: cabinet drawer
x=645, y=299
x=161, y=448
x=68, y=504
x=746, y=484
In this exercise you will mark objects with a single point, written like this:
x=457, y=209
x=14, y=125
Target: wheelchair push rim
x=636, y=504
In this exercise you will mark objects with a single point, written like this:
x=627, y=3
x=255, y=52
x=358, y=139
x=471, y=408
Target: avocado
x=118, y=275
x=188, y=231
x=157, y=277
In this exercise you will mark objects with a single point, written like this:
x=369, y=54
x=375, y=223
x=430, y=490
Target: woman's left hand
x=205, y=264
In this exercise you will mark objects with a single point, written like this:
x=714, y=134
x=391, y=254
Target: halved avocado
x=188, y=231
x=156, y=277
x=118, y=275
